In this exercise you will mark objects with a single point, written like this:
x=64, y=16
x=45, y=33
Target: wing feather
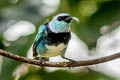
x=38, y=39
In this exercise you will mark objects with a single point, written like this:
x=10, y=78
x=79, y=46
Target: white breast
x=54, y=50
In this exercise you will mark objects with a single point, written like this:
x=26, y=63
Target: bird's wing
x=38, y=38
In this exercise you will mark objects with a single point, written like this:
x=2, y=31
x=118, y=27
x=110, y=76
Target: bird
x=53, y=38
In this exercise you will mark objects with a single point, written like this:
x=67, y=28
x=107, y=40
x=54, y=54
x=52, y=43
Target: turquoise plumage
x=53, y=37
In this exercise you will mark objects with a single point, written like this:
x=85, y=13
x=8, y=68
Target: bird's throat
x=59, y=26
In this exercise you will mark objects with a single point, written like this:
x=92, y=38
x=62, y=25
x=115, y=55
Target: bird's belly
x=54, y=50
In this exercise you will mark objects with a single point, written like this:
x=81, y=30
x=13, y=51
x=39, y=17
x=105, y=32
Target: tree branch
x=59, y=64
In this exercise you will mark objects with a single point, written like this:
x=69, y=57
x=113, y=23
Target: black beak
x=68, y=19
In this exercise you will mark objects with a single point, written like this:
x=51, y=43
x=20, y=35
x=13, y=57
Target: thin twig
x=59, y=64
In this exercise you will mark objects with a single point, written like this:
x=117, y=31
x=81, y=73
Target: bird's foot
x=42, y=60
x=72, y=62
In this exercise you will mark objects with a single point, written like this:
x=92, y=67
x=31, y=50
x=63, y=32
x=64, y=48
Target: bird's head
x=60, y=23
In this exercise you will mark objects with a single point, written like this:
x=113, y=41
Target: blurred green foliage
x=64, y=75
x=93, y=14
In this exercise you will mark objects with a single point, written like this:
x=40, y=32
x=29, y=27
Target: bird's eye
x=63, y=17
x=59, y=18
